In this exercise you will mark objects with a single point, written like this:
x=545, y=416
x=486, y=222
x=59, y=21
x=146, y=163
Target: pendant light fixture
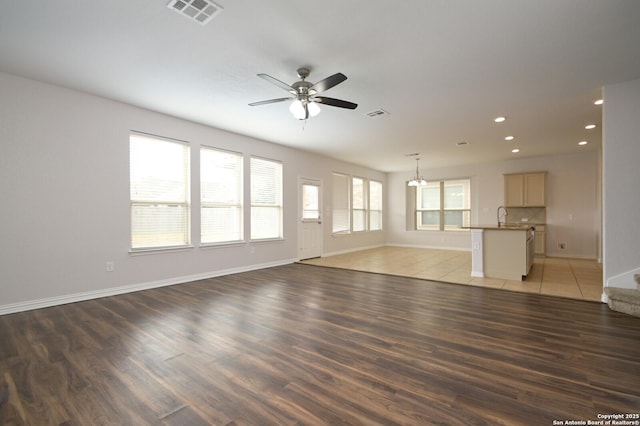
x=417, y=180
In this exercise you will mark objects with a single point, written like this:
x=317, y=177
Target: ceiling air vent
x=376, y=113
x=201, y=11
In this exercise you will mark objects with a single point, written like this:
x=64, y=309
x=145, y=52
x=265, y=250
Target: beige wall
x=64, y=188
x=573, y=210
x=621, y=194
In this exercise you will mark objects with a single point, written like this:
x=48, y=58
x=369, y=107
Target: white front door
x=310, y=229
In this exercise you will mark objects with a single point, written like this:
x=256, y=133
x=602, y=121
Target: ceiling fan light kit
x=302, y=110
x=304, y=94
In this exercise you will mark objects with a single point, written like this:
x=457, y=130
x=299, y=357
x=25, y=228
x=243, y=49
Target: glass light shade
x=417, y=182
x=314, y=109
x=297, y=109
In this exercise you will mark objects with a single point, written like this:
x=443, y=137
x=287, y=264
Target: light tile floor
x=572, y=278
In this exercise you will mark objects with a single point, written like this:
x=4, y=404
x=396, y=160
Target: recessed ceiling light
x=515, y=150
x=598, y=102
x=509, y=138
x=499, y=119
x=583, y=143
x=590, y=126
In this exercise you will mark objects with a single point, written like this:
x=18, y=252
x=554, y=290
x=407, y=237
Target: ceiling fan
x=304, y=94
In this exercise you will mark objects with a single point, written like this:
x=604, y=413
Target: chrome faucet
x=504, y=215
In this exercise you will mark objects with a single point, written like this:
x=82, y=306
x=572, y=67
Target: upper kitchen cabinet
x=524, y=189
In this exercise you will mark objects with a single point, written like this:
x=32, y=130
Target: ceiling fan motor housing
x=302, y=88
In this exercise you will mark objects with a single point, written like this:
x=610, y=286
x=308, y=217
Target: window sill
x=443, y=230
x=222, y=244
x=158, y=250
x=341, y=234
x=266, y=240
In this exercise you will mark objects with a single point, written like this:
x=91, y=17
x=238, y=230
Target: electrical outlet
x=110, y=266
x=562, y=246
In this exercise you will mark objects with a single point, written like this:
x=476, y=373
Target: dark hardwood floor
x=302, y=344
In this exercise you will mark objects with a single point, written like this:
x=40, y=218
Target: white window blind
x=266, y=199
x=341, y=215
x=159, y=192
x=220, y=196
x=375, y=205
x=359, y=209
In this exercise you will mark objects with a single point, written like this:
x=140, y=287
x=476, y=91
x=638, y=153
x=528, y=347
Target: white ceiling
x=443, y=69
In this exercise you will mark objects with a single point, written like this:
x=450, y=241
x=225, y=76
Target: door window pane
x=310, y=202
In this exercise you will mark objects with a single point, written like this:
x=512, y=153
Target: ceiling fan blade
x=328, y=82
x=270, y=101
x=334, y=102
x=278, y=83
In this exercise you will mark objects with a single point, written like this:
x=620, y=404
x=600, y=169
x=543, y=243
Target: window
x=444, y=205
x=310, y=202
x=159, y=192
x=375, y=205
x=341, y=215
x=359, y=207
x=220, y=196
x=266, y=199
x=357, y=204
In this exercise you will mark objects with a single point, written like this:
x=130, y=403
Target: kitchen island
x=504, y=251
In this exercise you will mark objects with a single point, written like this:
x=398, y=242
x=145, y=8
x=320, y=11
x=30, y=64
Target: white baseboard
x=430, y=247
x=571, y=256
x=336, y=253
x=113, y=291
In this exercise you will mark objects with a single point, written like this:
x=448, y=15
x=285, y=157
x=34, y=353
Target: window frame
x=344, y=196
x=344, y=201
x=310, y=213
x=278, y=205
x=442, y=210
x=363, y=209
x=239, y=205
x=373, y=210
x=183, y=202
